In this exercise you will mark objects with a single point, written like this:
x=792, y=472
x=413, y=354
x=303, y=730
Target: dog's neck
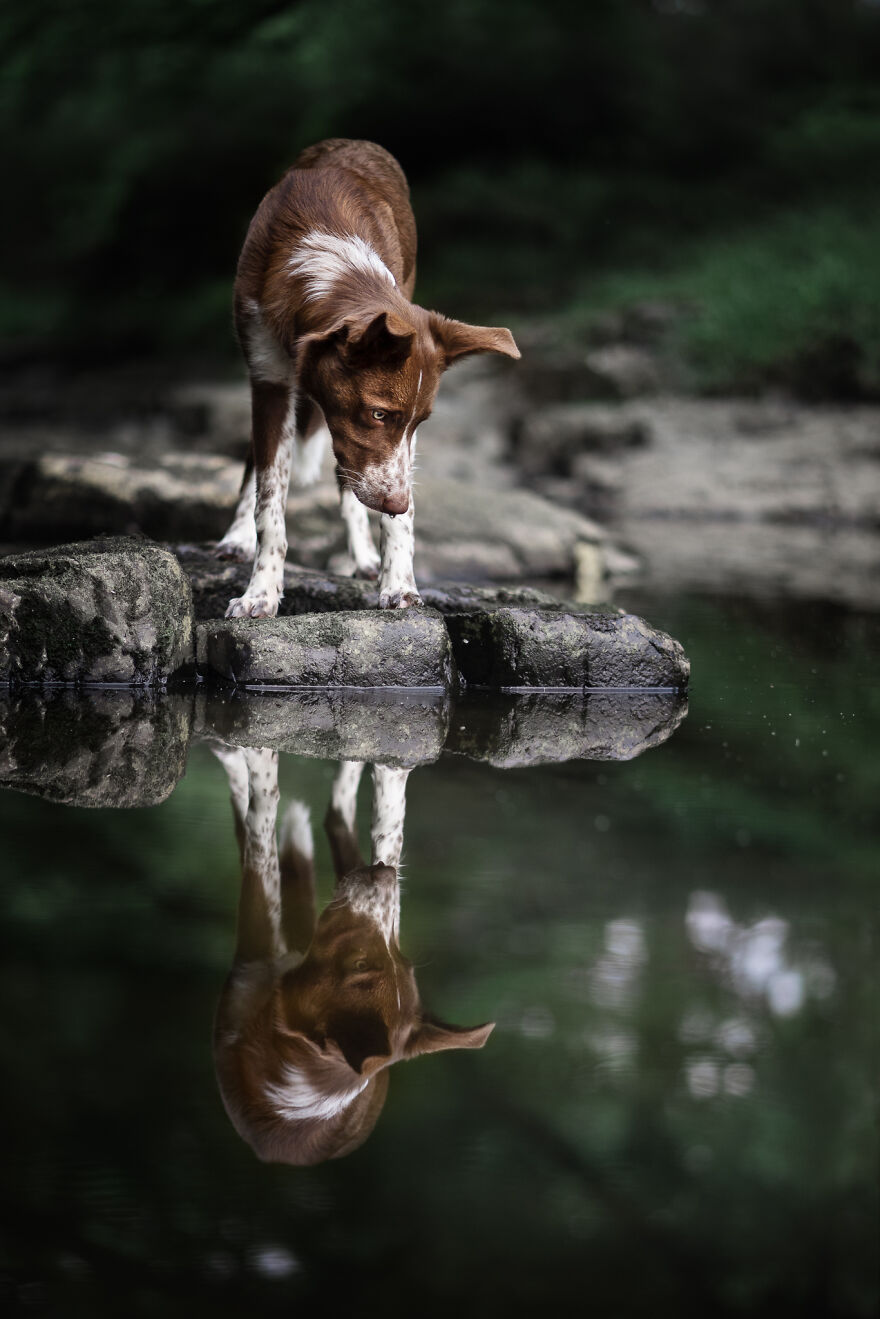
x=340, y=276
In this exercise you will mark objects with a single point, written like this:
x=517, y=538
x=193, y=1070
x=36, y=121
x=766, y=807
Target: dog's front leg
x=274, y=420
x=397, y=583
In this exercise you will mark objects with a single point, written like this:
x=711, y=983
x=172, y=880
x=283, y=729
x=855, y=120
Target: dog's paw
x=238, y=551
x=253, y=606
x=402, y=599
x=368, y=571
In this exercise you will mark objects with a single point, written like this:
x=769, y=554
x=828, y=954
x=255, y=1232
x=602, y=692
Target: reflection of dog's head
x=302, y=1050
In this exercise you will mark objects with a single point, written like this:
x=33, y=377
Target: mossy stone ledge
x=115, y=610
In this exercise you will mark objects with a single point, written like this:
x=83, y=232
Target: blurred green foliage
x=550, y=144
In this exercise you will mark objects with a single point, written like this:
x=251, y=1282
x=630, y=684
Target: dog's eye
x=378, y=414
x=361, y=964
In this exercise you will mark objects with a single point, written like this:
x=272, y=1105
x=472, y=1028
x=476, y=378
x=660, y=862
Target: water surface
x=675, y=1112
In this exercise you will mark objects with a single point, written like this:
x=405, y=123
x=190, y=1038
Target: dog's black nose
x=394, y=504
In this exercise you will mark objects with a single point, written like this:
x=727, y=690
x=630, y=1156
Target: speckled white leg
x=267, y=580
x=260, y=858
x=240, y=541
x=308, y=455
x=389, y=809
x=397, y=583
x=295, y=835
x=360, y=539
x=343, y=796
x=233, y=761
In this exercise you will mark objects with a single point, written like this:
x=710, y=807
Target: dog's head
x=303, y=1069
x=375, y=376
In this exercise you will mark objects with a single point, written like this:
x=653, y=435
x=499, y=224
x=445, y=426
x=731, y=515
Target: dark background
x=565, y=157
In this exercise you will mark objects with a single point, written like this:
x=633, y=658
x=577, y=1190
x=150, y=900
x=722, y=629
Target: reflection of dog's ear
x=363, y=1041
x=431, y=1035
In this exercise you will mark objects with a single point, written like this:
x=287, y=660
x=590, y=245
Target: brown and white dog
x=314, y=1012
x=333, y=343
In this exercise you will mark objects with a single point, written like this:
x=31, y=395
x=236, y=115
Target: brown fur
x=365, y=345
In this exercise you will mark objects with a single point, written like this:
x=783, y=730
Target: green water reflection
x=675, y=1113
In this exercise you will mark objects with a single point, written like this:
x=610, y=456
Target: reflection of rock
x=106, y=748
x=409, y=728
x=531, y=647
x=389, y=648
x=105, y=611
x=515, y=729
x=382, y=727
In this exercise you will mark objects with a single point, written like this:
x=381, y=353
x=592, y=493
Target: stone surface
x=107, y=748
x=622, y=371
x=104, y=611
x=307, y=590
x=531, y=647
x=379, y=727
x=391, y=648
x=513, y=730
x=464, y=528
x=760, y=497
x=549, y=439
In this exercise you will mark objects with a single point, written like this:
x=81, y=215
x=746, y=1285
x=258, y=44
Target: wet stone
x=95, y=748
x=391, y=648
x=534, y=647
x=112, y=610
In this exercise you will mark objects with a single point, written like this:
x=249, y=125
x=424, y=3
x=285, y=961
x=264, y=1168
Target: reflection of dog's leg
x=233, y=761
x=339, y=821
x=389, y=808
x=259, y=913
x=297, y=869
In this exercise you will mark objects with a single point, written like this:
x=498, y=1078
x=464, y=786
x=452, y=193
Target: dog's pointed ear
x=431, y=1035
x=387, y=337
x=363, y=1041
x=457, y=340
x=360, y=341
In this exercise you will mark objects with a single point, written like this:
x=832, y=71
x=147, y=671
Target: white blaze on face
x=393, y=477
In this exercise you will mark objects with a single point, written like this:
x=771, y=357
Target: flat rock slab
x=95, y=749
x=392, y=648
x=517, y=647
x=384, y=727
x=311, y=591
x=113, y=610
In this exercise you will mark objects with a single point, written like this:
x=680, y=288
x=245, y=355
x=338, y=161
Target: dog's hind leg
x=310, y=444
x=274, y=420
x=240, y=541
x=361, y=547
x=339, y=821
x=297, y=868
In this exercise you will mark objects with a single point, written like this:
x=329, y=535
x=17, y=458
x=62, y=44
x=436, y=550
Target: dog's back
x=341, y=186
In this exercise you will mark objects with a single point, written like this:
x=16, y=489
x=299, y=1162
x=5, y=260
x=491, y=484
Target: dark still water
x=675, y=1112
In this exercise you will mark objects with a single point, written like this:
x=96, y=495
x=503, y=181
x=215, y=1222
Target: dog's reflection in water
x=315, y=1010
